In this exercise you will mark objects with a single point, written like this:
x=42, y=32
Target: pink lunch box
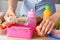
x=20, y=33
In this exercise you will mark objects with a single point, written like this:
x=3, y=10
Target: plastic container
x=47, y=13
x=31, y=18
x=55, y=33
x=20, y=32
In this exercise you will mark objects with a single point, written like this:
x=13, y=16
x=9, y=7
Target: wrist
x=58, y=14
x=10, y=8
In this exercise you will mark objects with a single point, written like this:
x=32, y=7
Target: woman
x=38, y=7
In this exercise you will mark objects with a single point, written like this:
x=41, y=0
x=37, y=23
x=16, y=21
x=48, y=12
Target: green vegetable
x=58, y=25
x=23, y=15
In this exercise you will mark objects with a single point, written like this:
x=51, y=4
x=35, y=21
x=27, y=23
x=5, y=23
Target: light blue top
x=37, y=5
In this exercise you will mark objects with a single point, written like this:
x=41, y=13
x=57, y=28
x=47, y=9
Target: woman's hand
x=47, y=25
x=10, y=13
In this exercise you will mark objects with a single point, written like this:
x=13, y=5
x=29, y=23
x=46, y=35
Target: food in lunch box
x=15, y=20
x=19, y=21
x=5, y=23
x=1, y=27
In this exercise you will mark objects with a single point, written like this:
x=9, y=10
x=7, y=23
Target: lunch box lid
x=22, y=25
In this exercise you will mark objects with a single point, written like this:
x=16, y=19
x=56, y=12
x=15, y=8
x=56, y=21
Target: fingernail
x=48, y=33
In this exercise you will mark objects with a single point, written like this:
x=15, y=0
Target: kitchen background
x=4, y=5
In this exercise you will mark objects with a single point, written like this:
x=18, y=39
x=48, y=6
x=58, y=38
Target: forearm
x=58, y=14
x=12, y=4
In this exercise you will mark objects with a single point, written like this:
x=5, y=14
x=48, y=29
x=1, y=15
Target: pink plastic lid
x=31, y=13
x=23, y=25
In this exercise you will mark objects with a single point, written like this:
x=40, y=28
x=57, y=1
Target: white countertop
x=3, y=37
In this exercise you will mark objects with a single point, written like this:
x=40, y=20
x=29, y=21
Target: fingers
x=14, y=15
x=11, y=14
x=51, y=28
x=48, y=27
x=41, y=25
x=38, y=28
x=5, y=17
x=44, y=26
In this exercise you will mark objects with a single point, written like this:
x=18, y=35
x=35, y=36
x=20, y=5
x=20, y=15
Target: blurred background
x=4, y=5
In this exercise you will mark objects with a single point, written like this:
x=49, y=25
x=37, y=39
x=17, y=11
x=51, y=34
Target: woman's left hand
x=47, y=25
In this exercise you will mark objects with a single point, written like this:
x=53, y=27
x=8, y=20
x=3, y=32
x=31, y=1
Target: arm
x=47, y=25
x=12, y=4
x=58, y=13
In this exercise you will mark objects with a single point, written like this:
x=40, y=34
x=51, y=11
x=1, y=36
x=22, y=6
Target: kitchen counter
x=3, y=37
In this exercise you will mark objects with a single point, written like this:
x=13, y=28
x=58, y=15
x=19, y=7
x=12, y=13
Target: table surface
x=3, y=37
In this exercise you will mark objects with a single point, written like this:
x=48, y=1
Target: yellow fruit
x=47, y=14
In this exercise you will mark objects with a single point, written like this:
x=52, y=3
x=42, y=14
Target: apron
x=37, y=5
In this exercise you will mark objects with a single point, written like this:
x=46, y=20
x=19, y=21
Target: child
x=38, y=6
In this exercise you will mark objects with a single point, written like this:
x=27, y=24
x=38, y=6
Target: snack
x=2, y=30
x=1, y=27
x=19, y=21
x=16, y=20
x=5, y=23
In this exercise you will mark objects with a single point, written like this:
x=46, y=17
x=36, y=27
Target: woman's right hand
x=10, y=13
